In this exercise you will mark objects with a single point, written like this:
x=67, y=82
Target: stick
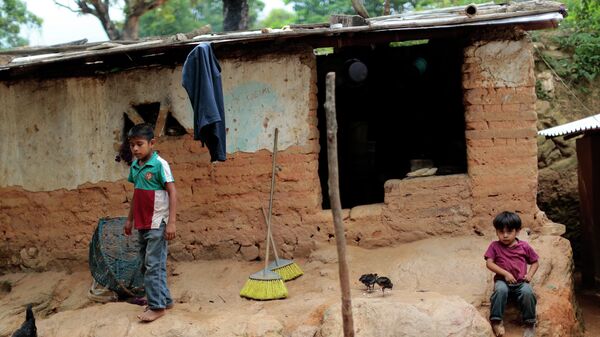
x=271, y=197
x=336, y=204
x=268, y=222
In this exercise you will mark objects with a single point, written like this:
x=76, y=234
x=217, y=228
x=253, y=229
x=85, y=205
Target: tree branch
x=359, y=8
x=139, y=7
x=99, y=9
x=67, y=7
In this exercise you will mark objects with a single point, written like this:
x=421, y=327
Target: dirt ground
x=208, y=302
x=207, y=293
x=589, y=302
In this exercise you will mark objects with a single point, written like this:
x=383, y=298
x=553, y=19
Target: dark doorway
x=395, y=104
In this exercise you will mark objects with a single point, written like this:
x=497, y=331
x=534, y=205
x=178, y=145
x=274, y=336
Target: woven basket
x=114, y=258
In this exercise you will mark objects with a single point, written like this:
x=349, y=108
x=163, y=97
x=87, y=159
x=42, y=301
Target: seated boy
x=508, y=258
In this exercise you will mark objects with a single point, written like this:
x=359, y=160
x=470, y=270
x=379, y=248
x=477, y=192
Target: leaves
x=13, y=15
x=182, y=16
x=277, y=18
x=316, y=11
x=582, y=40
x=176, y=16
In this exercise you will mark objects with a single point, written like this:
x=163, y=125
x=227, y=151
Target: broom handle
x=272, y=191
x=271, y=196
x=267, y=253
x=272, y=240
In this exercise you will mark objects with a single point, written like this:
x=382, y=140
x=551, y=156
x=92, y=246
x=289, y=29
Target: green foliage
x=255, y=7
x=429, y=4
x=13, y=15
x=585, y=62
x=323, y=51
x=182, y=16
x=583, y=14
x=176, y=16
x=582, y=40
x=408, y=43
x=314, y=11
x=277, y=18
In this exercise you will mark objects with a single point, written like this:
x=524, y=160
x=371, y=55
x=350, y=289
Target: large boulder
x=406, y=314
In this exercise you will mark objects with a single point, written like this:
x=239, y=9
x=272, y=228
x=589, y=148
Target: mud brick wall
x=48, y=221
x=499, y=98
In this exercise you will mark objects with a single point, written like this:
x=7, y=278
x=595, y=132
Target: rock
x=553, y=228
x=327, y=254
x=553, y=285
x=409, y=315
x=305, y=331
x=262, y=325
x=372, y=211
x=249, y=253
x=177, y=37
x=32, y=259
x=26, y=288
x=546, y=83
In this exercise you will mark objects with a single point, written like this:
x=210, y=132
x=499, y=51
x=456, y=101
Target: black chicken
x=28, y=328
x=384, y=283
x=368, y=280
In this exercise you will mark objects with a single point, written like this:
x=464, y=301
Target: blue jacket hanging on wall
x=202, y=81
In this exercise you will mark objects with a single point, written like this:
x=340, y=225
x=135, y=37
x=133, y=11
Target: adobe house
x=455, y=91
x=450, y=92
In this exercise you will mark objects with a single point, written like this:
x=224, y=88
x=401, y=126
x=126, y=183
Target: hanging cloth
x=202, y=81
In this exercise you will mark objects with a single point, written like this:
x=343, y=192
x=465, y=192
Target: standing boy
x=154, y=199
x=508, y=258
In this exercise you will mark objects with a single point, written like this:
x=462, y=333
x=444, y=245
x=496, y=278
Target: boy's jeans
x=153, y=251
x=525, y=297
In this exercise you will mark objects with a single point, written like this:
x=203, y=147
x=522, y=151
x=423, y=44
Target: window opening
x=149, y=112
x=124, y=153
x=173, y=127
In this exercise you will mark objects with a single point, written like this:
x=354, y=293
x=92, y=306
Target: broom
x=265, y=284
x=287, y=269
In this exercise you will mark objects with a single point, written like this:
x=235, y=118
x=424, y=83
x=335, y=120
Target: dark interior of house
x=396, y=105
x=149, y=113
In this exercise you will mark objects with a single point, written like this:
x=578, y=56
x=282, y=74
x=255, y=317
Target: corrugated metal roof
x=576, y=127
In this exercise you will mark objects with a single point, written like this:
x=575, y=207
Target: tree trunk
x=235, y=15
x=131, y=28
x=336, y=204
x=134, y=9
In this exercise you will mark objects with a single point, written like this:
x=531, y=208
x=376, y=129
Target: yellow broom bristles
x=264, y=289
x=289, y=272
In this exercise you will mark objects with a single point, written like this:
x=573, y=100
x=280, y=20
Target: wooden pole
x=336, y=204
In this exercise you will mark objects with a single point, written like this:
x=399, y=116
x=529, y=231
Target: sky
x=61, y=25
